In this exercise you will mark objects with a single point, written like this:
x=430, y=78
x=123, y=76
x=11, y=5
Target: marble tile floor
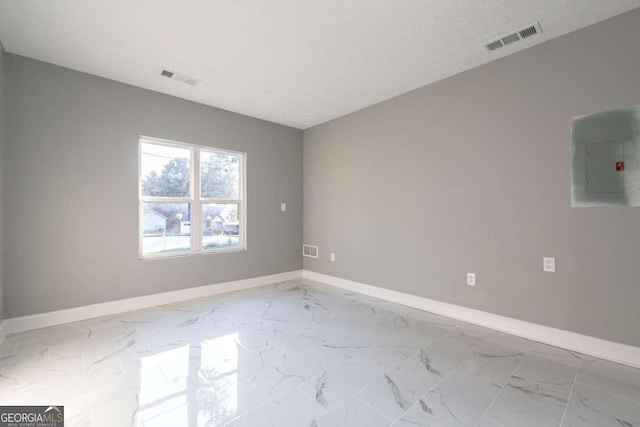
x=304, y=354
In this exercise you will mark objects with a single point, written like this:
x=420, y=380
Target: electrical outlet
x=283, y=207
x=549, y=264
x=471, y=279
x=333, y=257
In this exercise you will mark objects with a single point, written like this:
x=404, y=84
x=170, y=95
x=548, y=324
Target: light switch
x=283, y=207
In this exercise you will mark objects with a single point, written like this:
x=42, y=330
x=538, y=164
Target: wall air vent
x=192, y=81
x=529, y=31
x=310, y=251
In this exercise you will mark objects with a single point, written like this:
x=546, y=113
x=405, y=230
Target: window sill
x=189, y=254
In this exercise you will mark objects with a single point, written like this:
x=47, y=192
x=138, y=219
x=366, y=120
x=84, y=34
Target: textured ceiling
x=294, y=62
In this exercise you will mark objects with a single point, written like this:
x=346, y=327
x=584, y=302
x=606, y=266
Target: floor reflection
x=291, y=355
x=194, y=385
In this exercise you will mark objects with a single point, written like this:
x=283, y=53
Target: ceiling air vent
x=192, y=81
x=524, y=33
x=529, y=31
x=511, y=38
x=494, y=45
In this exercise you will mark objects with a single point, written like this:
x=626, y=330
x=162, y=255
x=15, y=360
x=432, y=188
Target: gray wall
x=71, y=204
x=2, y=161
x=471, y=174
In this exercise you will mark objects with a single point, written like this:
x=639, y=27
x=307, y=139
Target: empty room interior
x=320, y=213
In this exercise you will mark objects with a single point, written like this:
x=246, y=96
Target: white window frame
x=195, y=199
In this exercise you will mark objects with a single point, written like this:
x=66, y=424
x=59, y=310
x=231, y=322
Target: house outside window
x=192, y=199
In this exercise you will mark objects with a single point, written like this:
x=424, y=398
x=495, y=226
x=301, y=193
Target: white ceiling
x=295, y=62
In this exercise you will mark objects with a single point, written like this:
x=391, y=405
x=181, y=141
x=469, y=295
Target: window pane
x=165, y=171
x=166, y=228
x=220, y=175
x=220, y=226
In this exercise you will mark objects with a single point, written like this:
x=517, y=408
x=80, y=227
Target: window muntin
x=186, y=209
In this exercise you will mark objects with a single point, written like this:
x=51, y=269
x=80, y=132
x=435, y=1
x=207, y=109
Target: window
x=192, y=199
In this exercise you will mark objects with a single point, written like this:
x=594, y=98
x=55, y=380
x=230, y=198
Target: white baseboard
x=609, y=350
x=52, y=318
x=2, y=331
